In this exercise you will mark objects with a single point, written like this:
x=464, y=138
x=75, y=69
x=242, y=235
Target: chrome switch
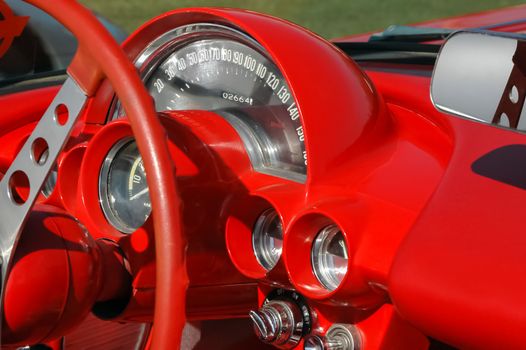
x=279, y=323
x=338, y=337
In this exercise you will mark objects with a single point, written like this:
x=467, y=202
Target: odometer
x=211, y=67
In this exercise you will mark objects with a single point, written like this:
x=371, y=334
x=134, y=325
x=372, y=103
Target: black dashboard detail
x=505, y=164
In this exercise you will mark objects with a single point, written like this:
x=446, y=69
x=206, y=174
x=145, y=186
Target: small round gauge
x=123, y=192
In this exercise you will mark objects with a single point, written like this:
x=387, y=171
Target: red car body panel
x=436, y=249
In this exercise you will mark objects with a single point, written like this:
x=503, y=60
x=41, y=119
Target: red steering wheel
x=99, y=56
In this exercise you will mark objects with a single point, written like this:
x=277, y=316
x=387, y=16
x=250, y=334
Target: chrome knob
x=316, y=342
x=265, y=324
x=338, y=337
x=279, y=323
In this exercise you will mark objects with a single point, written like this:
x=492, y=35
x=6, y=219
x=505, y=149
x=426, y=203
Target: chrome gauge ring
x=123, y=191
x=329, y=257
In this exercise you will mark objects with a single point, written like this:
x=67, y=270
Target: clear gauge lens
x=123, y=191
x=329, y=257
x=215, y=68
x=267, y=239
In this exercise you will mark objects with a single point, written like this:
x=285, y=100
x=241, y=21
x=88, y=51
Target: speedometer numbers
x=226, y=72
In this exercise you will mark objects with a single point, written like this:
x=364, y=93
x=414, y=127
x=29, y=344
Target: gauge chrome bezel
x=324, y=273
x=259, y=235
x=166, y=44
x=104, y=173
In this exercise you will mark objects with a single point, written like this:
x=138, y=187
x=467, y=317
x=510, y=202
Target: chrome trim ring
x=267, y=246
x=329, y=257
x=103, y=186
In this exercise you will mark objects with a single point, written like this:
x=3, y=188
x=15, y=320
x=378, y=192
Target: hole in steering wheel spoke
x=18, y=187
x=61, y=114
x=40, y=151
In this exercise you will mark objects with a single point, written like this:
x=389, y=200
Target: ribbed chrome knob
x=278, y=323
x=265, y=322
x=338, y=337
x=313, y=342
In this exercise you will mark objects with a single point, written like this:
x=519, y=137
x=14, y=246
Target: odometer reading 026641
x=232, y=76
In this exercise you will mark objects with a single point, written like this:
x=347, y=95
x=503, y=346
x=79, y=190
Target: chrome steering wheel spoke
x=21, y=184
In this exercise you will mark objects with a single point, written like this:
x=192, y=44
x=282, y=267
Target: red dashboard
x=370, y=214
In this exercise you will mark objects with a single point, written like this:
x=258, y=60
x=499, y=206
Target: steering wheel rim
x=98, y=55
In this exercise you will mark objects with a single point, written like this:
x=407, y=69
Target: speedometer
x=215, y=68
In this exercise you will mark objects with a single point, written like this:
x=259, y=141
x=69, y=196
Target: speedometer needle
x=137, y=195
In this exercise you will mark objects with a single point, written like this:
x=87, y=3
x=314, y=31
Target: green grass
x=329, y=18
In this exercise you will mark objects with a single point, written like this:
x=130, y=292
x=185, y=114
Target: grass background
x=329, y=18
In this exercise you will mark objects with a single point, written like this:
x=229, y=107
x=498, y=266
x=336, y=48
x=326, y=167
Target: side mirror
x=482, y=76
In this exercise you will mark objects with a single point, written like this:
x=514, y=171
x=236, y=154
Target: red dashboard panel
x=434, y=248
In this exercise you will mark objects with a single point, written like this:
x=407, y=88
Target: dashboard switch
x=338, y=337
x=279, y=323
